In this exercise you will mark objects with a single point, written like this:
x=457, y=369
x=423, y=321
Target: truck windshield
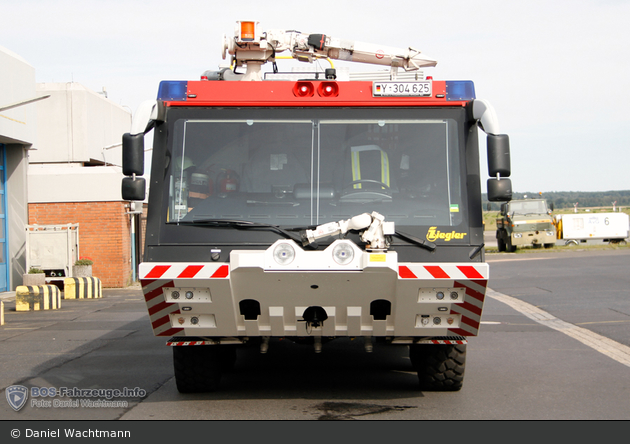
x=304, y=172
x=528, y=207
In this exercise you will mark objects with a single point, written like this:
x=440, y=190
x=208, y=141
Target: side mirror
x=133, y=154
x=134, y=188
x=498, y=155
x=499, y=190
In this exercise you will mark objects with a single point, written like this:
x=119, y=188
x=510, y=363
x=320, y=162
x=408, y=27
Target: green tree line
x=567, y=199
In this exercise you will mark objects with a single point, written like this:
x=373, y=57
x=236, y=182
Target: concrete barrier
x=1, y=312
x=37, y=297
x=82, y=288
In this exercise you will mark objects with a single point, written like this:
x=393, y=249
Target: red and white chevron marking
x=186, y=343
x=183, y=271
x=443, y=341
x=473, y=278
x=447, y=271
x=471, y=308
x=154, y=277
x=159, y=310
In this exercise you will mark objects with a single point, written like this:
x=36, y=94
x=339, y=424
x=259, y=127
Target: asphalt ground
x=107, y=343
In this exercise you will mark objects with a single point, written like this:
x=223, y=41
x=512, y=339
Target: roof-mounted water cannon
x=248, y=47
x=252, y=47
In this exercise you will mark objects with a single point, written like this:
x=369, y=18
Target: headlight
x=550, y=233
x=343, y=254
x=284, y=254
x=516, y=235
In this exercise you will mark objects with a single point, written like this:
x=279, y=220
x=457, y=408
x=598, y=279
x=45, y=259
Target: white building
x=75, y=176
x=77, y=128
x=60, y=163
x=18, y=132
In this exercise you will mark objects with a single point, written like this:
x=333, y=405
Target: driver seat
x=369, y=162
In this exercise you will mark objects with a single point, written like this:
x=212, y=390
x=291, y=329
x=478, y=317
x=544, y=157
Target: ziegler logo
x=434, y=234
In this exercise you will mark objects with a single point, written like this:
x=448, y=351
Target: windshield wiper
x=244, y=225
x=417, y=241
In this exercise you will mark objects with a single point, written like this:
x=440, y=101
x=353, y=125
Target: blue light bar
x=460, y=90
x=173, y=90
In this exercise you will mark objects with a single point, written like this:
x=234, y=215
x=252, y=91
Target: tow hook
x=314, y=317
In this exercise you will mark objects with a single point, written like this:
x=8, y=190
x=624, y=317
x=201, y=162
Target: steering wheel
x=379, y=183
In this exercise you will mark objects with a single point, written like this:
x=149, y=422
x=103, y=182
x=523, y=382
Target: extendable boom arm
x=256, y=47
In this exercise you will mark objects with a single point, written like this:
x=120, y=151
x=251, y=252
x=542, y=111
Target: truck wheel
x=228, y=357
x=509, y=247
x=549, y=245
x=440, y=367
x=198, y=368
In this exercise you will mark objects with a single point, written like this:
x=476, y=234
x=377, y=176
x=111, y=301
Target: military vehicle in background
x=525, y=222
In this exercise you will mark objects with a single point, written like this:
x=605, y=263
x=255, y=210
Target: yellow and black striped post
x=37, y=297
x=82, y=288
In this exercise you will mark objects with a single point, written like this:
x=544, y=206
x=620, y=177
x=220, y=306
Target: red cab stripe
x=157, y=271
x=470, y=272
x=222, y=272
x=405, y=273
x=437, y=272
x=190, y=271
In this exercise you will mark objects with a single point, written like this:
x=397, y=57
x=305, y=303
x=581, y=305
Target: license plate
x=401, y=89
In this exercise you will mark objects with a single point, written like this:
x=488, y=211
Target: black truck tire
x=198, y=368
x=501, y=243
x=509, y=247
x=440, y=367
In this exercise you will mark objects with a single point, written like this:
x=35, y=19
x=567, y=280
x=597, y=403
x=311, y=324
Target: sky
x=556, y=72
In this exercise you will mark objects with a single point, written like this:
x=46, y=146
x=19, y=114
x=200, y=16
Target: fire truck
x=313, y=206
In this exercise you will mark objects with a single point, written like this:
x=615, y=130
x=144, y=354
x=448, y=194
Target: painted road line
x=610, y=348
x=537, y=258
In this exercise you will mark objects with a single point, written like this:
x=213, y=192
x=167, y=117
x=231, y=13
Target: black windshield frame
x=173, y=233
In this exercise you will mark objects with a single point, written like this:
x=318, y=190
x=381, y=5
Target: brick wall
x=104, y=235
